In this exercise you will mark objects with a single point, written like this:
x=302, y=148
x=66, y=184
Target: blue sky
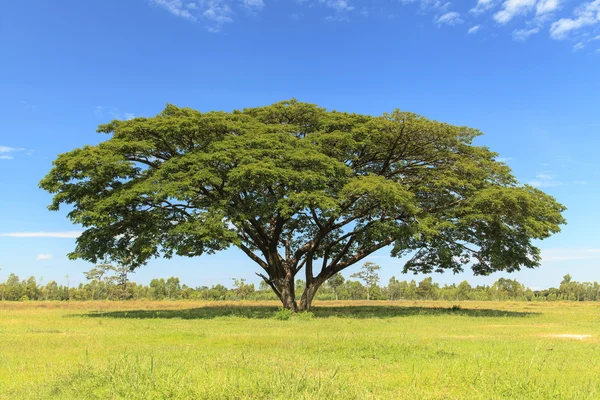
x=525, y=72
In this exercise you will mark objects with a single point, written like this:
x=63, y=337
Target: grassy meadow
x=342, y=350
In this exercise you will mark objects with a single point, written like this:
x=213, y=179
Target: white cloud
x=570, y=254
x=253, y=3
x=338, y=5
x=252, y=6
x=178, y=8
x=473, y=29
x=544, y=180
x=512, y=8
x=5, y=152
x=521, y=35
x=6, y=149
x=585, y=15
x=547, y=6
x=215, y=14
x=482, y=6
x=450, y=18
x=40, y=257
x=218, y=13
x=113, y=112
x=62, y=235
x=578, y=46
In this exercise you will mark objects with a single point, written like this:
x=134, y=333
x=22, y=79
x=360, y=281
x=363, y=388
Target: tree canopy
x=297, y=187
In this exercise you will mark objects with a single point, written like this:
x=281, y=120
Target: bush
x=305, y=316
x=283, y=314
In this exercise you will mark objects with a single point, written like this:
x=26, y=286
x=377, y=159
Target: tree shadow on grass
x=269, y=312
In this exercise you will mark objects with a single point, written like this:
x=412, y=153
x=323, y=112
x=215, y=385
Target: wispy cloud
x=449, y=18
x=547, y=6
x=216, y=14
x=253, y=3
x=472, y=30
x=61, y=235
x=41, y=257
x=585, y=15
x=213, y=13
x=512, y=8
x=6, y=153
x=584, y=41
x=27, y=105
x=178, y=8
x=482, y=6
x=570, y=254
x=338, y=5
x=113, y=112
x=521, y=35
x=545, y=179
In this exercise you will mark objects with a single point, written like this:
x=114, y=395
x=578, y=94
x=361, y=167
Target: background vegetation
x=110, y=283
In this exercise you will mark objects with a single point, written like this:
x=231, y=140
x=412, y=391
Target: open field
x=354, y=350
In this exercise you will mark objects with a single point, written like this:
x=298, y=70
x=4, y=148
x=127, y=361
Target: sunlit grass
x=355, y=350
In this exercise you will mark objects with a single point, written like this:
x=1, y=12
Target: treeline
x=112, y=284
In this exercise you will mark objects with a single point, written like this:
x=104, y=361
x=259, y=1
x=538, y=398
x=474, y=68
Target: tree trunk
x=287, y=291
x=309, y=294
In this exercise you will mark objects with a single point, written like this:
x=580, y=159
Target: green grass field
x=344, y=350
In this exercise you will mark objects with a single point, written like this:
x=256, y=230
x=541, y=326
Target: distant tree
x=242, y=290
x=173, y=288
x=31, y=288
x=299, y=286
x=218, y=292
x=158, y=288
x=14, y=288
x=509, y=288
x=336, y=282
x=368, y=274
x=291, y=184
x=356, y=290
x=263, y=286
x=121, y=278
x=463, y=290
x=394, y=288
x=53, y=291
x=427, y=289
x=96, y=275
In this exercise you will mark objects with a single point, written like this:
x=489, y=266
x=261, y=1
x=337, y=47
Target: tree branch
x=271, y=284
x=336, y=267
x=254, y=257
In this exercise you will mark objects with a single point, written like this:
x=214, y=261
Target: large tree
x=298, y=188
